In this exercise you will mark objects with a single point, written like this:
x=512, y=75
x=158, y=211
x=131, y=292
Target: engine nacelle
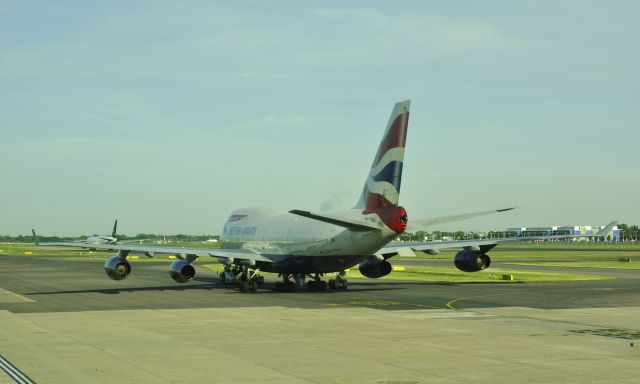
x=181, y=271
x=117, y=267
x=375, y=270
x=471, y=261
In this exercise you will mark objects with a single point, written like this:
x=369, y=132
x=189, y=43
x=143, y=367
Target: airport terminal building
x=614, y=234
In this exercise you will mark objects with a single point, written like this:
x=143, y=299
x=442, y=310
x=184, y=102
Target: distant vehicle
x=300, y=244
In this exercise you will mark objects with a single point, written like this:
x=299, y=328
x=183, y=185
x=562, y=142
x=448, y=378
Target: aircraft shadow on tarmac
x=268, y=288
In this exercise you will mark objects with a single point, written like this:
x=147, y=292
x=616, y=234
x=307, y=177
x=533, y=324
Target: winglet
x=115, y=226
x=605, y=231
x=35, y=237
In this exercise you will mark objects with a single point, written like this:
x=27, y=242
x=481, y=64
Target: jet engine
x=469, y=260
x=375, y=270
x=117, y=267
x=181, y=271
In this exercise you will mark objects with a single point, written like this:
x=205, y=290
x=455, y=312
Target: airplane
x=90, y=241
x=301, y=244
x=103, y=239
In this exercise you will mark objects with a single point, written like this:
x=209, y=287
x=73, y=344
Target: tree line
x=627, y=233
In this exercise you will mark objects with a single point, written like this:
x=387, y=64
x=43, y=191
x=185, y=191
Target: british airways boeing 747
x=300, y=244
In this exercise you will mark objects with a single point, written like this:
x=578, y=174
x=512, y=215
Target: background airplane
x=103, y=239
x=300, y=244
x=98, y=239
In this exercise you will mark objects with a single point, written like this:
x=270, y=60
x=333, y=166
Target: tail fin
x=115, y=227
x=382, y=187
x=604, y=232
x=36, y=241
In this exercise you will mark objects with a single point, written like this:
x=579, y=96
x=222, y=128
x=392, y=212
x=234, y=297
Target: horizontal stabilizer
x=354, y=225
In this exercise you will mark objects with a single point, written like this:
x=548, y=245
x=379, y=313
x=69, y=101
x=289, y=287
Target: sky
x=170, y=115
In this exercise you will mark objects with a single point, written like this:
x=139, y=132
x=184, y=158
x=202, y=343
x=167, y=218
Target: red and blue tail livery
x=382, y=187
x=381, y=191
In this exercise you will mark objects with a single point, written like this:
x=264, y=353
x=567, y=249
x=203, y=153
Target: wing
x=415, y=225
x=221, y=254
x=407, y=248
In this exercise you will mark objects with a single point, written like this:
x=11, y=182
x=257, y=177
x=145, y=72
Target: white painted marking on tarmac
x=14, y=372
x=11, y=297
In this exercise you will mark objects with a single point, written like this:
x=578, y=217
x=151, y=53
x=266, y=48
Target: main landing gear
x=316, y=284
x=340, y=281
x=286, y=285
x=248, y=280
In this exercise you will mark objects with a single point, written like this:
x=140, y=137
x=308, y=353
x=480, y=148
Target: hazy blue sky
x=168, y=115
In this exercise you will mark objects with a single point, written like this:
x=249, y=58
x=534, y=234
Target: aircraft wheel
x=285, y=286
x=244, y=286
x=332, y=285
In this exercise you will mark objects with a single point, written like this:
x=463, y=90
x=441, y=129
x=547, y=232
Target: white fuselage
x=96, y=239
x=275, y=233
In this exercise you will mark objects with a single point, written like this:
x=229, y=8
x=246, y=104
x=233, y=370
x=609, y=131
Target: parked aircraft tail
x=115, y=226
x=36, y=241
x=382, y=187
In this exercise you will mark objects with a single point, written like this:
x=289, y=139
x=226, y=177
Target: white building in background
x=614, y=234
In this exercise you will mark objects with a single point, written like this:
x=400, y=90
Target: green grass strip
x=582, y=264
x=453, y=275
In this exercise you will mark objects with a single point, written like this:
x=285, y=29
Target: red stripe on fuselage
x=374, y=202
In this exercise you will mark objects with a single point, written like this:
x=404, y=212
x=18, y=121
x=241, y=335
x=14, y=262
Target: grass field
x=586, y=256
x=594, y=246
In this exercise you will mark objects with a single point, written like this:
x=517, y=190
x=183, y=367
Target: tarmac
x=64, y=321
